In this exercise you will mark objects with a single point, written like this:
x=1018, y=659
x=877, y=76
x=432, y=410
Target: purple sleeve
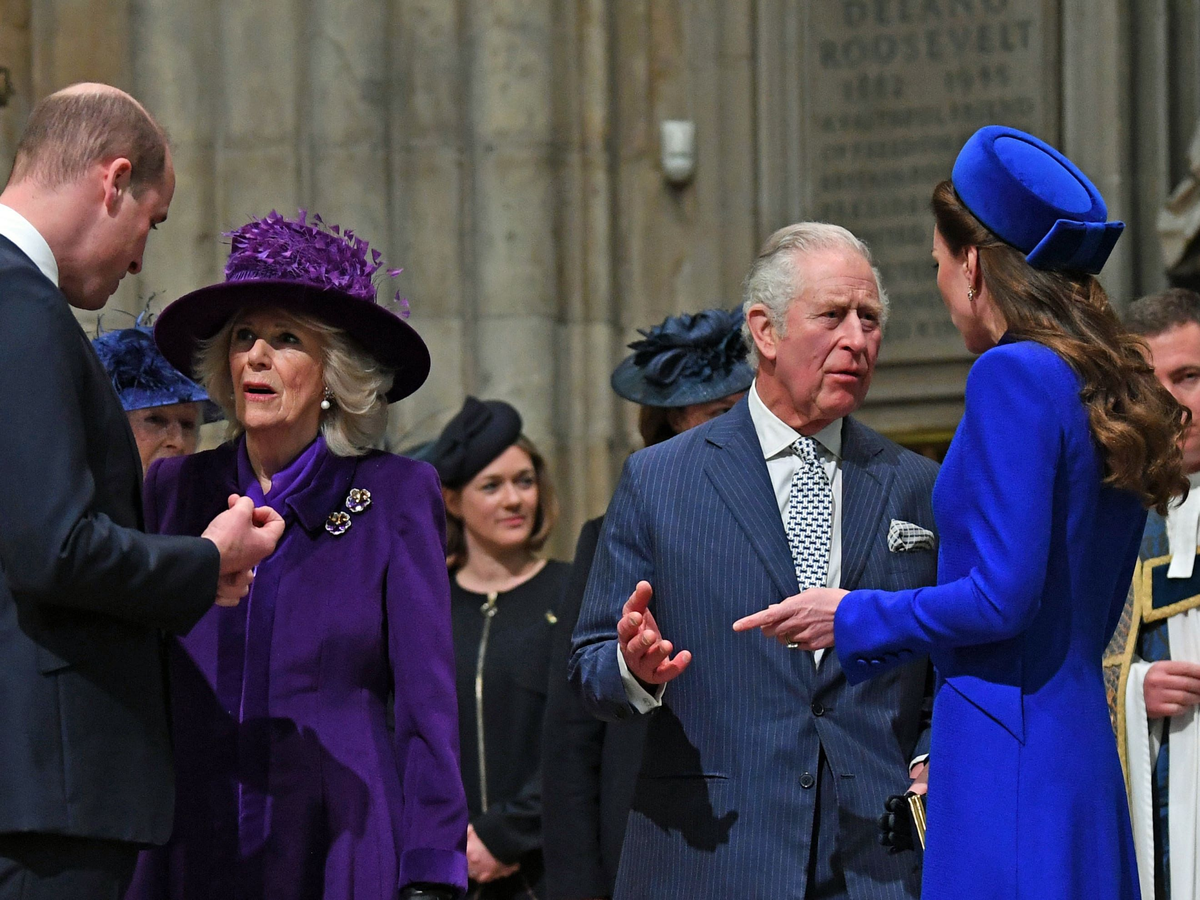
x=434, y=819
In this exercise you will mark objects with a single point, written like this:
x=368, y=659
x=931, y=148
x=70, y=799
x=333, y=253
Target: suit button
x=807, y=781
x=818, y=709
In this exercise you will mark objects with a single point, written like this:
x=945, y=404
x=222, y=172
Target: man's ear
x=116, y=175
x=762, y=330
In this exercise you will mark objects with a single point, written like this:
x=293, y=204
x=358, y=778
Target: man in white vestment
x=1154, y=659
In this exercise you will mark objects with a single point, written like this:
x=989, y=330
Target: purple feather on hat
x=274, y=248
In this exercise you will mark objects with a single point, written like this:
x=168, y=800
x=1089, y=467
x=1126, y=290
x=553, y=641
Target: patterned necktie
x=809, y=520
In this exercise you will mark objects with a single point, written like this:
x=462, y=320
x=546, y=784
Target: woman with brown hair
x=500, y=509
x=1066, y=439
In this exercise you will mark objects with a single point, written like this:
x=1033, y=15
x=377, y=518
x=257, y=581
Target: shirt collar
x=29, y=241
x=776, y=437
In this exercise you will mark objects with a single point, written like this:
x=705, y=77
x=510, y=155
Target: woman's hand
x=482, y=867
x=804, y=620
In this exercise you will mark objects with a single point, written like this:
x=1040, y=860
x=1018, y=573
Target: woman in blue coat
x=1065, y=439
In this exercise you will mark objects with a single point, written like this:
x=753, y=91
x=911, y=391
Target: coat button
x=807, y=781
x=818, y=709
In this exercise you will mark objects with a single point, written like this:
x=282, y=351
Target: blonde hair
x=358, y=418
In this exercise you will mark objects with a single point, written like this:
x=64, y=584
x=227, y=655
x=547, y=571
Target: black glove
x=896, y=825
x=421, y=890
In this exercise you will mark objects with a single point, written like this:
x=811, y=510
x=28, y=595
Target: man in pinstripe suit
x=764, y=770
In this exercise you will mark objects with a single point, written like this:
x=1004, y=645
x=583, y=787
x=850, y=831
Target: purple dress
x=315, y=724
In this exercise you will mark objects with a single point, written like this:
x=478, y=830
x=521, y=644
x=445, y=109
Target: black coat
x=515, y=650
x=589, y=767
x=83, y=592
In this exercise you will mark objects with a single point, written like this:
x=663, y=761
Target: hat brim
x=197, y=316
x=629, y=381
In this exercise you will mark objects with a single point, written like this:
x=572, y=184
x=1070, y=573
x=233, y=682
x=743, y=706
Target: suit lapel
x=739, y=473
x=864, y=494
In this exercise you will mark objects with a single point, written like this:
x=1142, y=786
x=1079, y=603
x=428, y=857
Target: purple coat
x=299, y=775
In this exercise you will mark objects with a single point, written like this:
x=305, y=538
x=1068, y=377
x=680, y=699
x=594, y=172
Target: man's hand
x=805, y=619
x=482, y=867
x=244, y=535
x=233, y=587
x=1171, y=686
x=646, y=654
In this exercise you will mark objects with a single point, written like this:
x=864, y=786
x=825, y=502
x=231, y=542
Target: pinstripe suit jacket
x=725, y=804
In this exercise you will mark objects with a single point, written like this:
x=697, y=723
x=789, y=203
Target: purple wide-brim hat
x=197, y=316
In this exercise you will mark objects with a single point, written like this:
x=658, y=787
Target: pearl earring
x=971, y=295
x=327, y=400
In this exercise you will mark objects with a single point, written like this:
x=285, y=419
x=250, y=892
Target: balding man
x=84, y=594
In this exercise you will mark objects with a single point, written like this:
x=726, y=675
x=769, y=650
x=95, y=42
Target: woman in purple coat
x=315, y=724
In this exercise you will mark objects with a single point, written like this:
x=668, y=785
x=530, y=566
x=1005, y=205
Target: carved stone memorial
x=892, y=90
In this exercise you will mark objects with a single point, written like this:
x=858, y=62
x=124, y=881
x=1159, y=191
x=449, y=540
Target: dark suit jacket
x=589, y=766
x=83, y=592
x=725, y=802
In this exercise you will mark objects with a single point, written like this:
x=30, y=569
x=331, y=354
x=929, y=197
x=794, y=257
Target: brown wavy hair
x=543, y=519
x=1134, y=420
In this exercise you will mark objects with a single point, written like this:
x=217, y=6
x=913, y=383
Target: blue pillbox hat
x=1034, y=198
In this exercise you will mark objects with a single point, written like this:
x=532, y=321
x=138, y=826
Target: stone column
x=585, y=407
x=1096, y=76
x=512, y=152
x=15, y=56
x=257, y=129
x=429, y=186
x=175, y=54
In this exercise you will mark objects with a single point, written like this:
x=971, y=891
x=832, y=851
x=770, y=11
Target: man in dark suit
x=764, y=770
x=84, y=594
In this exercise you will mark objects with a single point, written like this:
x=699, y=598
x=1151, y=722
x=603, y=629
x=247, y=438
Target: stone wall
x=506, y=154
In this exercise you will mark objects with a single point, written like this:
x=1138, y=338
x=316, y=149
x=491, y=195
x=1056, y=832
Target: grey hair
x=358, y=418
x=776, y=277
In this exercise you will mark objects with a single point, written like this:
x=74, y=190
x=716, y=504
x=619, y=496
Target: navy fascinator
x=141, y=375
x=688, y=359
x=1034, y=198
x=478, y=433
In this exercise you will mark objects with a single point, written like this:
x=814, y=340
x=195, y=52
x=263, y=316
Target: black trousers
x=54, y=867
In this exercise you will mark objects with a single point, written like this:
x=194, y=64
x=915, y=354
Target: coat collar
x=865, y=486
x=739, y=474
x=324, y=494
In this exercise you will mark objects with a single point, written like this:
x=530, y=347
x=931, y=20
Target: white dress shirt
x=29, y=241
x=776, y=439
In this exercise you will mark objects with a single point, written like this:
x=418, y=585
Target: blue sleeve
x=1008, y=445
x=623, y=558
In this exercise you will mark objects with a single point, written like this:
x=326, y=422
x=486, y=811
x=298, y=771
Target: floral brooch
x=339, y=521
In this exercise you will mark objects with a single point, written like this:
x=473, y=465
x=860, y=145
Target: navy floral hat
x=141, y=375
x=688, y=359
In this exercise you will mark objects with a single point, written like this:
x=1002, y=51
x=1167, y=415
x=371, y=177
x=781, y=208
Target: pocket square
x=904, y=536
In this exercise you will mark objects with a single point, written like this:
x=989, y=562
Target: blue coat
x=1026, y=797
x=725, y=801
